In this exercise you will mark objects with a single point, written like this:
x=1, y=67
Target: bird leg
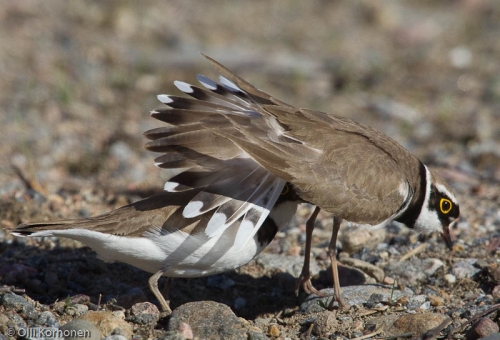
x=332, y=253
x=305, y=276
x=153, y=286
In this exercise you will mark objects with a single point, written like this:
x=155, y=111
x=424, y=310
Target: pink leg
x=305, y=276
x=332, y=253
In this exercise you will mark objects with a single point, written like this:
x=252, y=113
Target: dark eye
x=285, y=190
x=445, y=205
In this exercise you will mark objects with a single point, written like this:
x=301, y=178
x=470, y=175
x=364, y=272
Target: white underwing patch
x=183, y=86
x=170, y=186
x=193, y=209
x=164, y=98
x=229, y=85
x=214, y=225
x=207, y=82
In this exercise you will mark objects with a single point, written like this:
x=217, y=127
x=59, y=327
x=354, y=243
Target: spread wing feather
x=230, y=183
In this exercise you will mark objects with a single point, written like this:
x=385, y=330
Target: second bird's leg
x=332, y=253
x=305, y=276
x=153, y=286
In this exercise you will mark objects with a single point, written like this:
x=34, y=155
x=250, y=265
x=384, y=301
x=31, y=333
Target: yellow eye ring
x=445, y=205
x=285, y=190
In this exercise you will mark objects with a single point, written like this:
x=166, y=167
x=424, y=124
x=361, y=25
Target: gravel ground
x=78, y=80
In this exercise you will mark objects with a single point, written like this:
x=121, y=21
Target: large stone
x=80, y=329
x=354, y=295
x=414, y=270
x=365, y=267
x=210, y=320
x=417, y=324
x=108, y=324
x=19, y=304
x=355, y=238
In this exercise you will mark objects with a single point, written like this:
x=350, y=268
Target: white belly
x=178, y=254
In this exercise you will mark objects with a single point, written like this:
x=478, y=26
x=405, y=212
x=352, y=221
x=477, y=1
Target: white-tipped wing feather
x=231, y=183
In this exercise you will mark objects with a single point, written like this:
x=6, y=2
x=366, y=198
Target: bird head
x=440, y=210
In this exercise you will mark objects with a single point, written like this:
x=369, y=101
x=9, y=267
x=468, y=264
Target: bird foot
x=304, y=280
x=340, y=301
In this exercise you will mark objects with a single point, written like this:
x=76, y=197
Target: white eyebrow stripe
x=443, y=189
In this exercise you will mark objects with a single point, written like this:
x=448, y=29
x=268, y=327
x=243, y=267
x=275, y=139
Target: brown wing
x=157, y=214
x=343, y=167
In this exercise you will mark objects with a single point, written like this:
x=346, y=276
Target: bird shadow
x=50, y=272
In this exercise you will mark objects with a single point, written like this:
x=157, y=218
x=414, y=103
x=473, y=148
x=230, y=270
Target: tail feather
x=27, y=229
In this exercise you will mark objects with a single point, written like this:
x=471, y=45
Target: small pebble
x=431, y=265
x=119, y=314
x=460, y=56
x=358, y=326
x=77, y=309
x=450, y=278
x=294, y=250
x=483, y=327
x=403, y=301
x=416, y=302
x=56, y=202
x=465, y=269
x=80, y=299
x=274, y=330
x=115, y=337
x=384, y=255
x=326, y=322
x=425, y=306
x=436, y=300
x=48, y=319
x=388, y=280
x=374, y=300
x=457, y=247
x=144, y=313
x=496, y=292
x=252, y=335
